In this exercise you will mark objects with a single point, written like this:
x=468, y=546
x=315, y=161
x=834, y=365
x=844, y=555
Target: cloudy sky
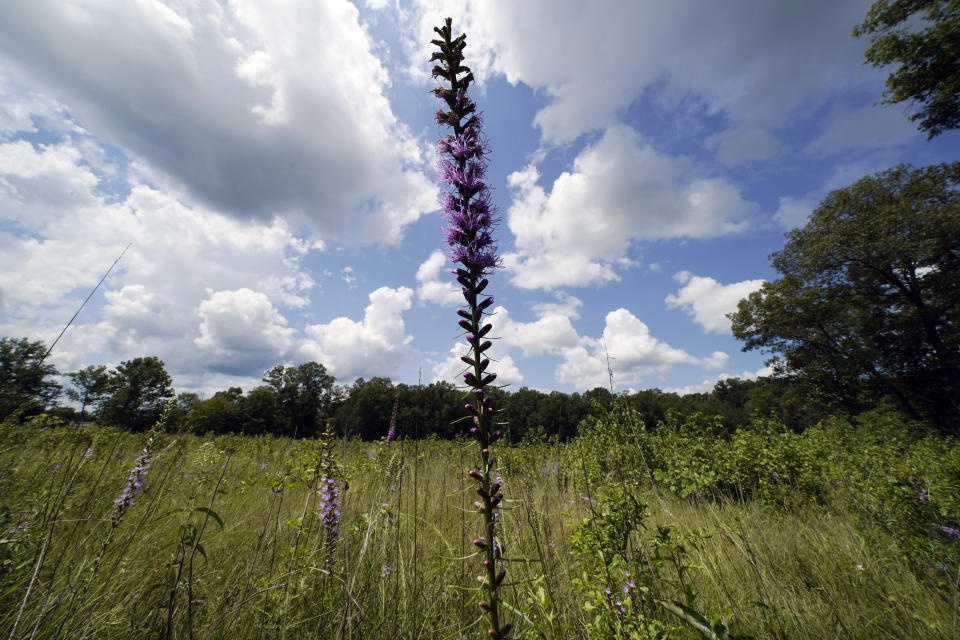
x=272, y=165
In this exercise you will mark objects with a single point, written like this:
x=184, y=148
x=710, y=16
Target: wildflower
x=392, y=429
x=386, y=571
x=470, y=220
x=950, y=531
x=921, y=494
x=135, y=481
x=263, y=466
x=89, y=453
x=56, y=469
x=330, y=506
x=774, y=475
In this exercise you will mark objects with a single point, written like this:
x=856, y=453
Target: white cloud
x=435, y=284
x=634, y=355
x=707, y=301
x=375, y=346
x=619, y=191
x=594, y=58
x=188, y=274
x=240, y=330
x=707, y=384
x=253, y=109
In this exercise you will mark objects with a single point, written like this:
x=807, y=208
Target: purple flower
x=329, y=511
x=950, y=531
x=774, y=475
x=386, y=571
x=135, y=481
x=921, y=494
x=263, y=466
x=392, y=429
x=56, y=469
x=89, y=453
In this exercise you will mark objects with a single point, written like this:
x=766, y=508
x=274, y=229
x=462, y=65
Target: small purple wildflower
x=134, y=483
x=392, y=429
x=950, y=531
x=89, y=453
x=44, y=428
x=386, y=571
x=774, y=475
x=263, y=466
x=921, y=494
x=56, y=469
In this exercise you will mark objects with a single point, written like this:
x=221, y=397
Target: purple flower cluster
x=329, y=511
x=392, y=429
x=466, y=202
x=134, y=483
x=921, y=494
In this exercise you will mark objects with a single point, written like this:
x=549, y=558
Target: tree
x=929, y=58
x=868, y=301
x=305, y=395
x=90, y=386
x=138, y=390
x=24, y=382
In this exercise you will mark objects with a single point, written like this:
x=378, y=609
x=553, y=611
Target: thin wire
x=83, y=304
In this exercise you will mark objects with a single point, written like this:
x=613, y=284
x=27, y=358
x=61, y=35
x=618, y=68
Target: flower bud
x=484, y=330
x=500, y=577
x=465, y=325
x=475, y=474
x=481, y=542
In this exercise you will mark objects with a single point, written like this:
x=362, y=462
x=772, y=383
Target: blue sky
x=272, y=164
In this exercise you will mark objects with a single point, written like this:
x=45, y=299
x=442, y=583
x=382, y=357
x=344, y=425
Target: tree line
x=303, y=400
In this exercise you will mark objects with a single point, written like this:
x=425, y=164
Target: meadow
x=685, y=530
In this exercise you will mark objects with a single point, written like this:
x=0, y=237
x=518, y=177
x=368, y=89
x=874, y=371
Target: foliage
x=90, y=386
x=868, y=301
x=137, y=391
x=305, y=396
x=24, y=383
x=928, y=57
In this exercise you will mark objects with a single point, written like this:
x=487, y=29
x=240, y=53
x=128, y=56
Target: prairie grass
x=224, y=542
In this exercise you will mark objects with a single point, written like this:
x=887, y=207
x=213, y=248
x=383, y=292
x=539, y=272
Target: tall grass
x=225, y=541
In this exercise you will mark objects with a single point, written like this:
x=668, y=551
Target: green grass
x=403, y=565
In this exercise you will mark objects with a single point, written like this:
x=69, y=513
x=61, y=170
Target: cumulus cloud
x=254, y=110
x=533, y=42
x=375, y=346
x=634, y=355
x=434, y=283
x=707, y=301
x=188, y=275
x=240, y=331
x=707, y=384
x=619, y=191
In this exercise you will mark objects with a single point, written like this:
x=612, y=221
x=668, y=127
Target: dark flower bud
x=463, y=313
x=505, y=629
x=483, y=347
x=485, y=303
x=484, y=364
x=466, y=325
x=465, y=282
x=495, y=487
x=496, y=434
x=481, y=491
x=483, y=605
x=484, y=330
x=470, y=408
x=475, y=474
x=481, y=543
x=500, y=577
x=481, y=286
x=487, y=379
x=470, y=379
x=495, y=500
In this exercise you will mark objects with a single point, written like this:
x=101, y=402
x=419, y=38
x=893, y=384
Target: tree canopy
x=137, y=390
x=928, y=57
x=24, y=377
x=867, y=304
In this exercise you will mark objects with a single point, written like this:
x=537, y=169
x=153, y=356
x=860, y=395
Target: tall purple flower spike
x=471, y=218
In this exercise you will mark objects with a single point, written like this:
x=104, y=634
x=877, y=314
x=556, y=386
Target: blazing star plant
x=470, y=218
